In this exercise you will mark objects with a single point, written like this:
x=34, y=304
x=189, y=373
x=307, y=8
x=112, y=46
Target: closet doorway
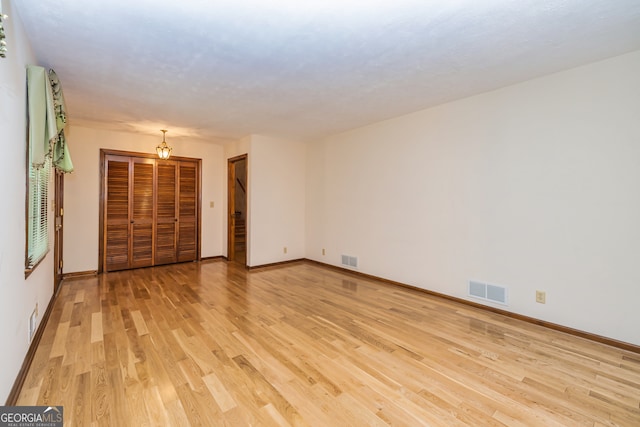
x=149, y=210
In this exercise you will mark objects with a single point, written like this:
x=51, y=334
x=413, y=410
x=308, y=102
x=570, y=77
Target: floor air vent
x=350, y=261
x=487, y=292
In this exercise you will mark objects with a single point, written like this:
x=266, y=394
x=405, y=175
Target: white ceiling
x=223, y=69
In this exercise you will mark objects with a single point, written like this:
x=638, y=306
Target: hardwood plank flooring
x=302, y=345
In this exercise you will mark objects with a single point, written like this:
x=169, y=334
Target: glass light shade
x=163, y=150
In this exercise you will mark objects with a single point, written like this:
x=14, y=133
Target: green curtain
x=42, y=123
x=61, y=156
x=47, y=119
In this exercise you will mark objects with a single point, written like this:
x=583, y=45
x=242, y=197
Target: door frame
x=103, y=198
x=231, y=202
x=58, y=206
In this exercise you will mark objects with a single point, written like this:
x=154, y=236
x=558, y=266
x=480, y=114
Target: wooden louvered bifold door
x=188, y=212
x=116, y=224
x=150, y=211
x=142, y=213
x=166, y=215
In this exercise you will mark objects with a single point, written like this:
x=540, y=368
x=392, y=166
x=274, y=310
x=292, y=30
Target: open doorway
x=237, y=210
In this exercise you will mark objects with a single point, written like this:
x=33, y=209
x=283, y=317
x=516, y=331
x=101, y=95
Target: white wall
x=82, y=190
x=534, y=186
x=18, y=296
x=277, y=180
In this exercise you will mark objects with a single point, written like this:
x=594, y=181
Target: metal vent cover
x=350, y=261
x=487, y=292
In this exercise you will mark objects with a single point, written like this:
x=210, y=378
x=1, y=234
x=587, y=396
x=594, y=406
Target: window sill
x=30, y=269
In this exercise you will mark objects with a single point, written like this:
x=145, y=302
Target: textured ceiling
x=224, y=69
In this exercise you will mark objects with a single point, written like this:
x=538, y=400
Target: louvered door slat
x=116, y=235
x=166, y=248
x=142, y=213
x=188, y=212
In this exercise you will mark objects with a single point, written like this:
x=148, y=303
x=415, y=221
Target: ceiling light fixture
x=163, y=150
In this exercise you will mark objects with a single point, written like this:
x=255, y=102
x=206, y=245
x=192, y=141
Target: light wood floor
x=213, y=344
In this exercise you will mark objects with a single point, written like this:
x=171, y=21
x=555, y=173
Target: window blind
x=38, y=230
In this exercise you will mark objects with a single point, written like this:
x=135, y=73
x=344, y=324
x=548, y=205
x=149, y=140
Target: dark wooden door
x=166, y=214
x=116, y=212
x=188, y=211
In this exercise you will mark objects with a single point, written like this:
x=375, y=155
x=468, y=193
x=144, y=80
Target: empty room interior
x=321, y=213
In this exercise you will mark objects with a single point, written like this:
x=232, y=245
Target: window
x=37, y=209
x=47, y=119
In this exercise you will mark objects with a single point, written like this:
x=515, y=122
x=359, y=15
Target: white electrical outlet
x=541, y=297
x=285, y=249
